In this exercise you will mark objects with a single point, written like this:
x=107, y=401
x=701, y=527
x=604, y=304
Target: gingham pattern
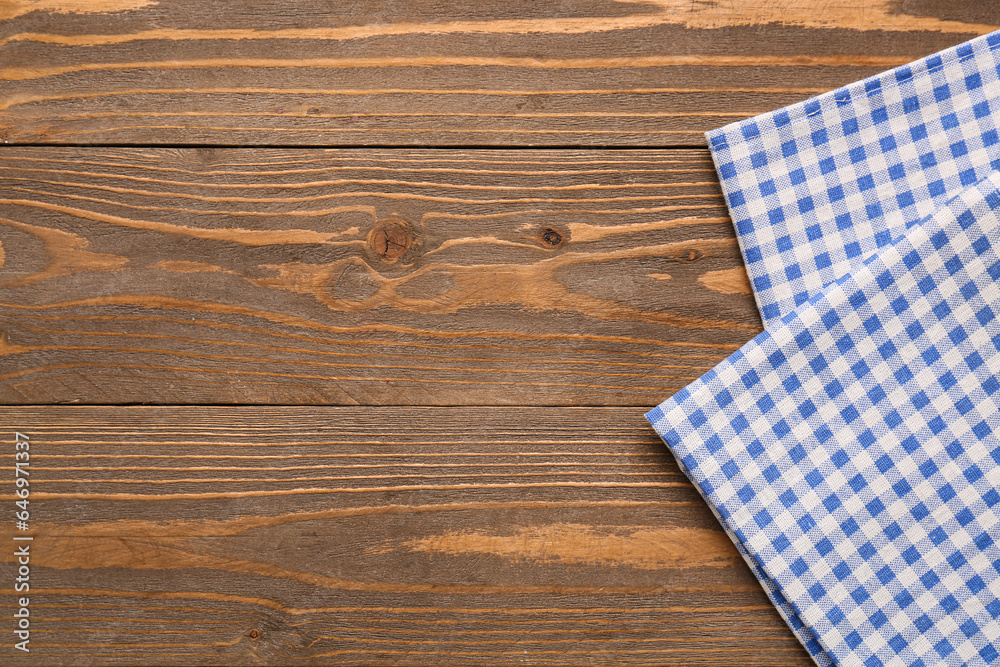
x=851, y=450
x=817, y=187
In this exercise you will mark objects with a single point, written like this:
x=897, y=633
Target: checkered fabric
x=852, y=449
x=816, y=187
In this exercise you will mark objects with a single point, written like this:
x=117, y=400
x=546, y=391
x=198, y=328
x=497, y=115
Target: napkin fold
x=817, y=187
x=851, y=449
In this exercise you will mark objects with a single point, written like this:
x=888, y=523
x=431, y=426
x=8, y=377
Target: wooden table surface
x=331, y=325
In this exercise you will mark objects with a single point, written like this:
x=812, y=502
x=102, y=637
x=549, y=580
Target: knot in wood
x=552, y=237
x=390, y=239
x=254, y=634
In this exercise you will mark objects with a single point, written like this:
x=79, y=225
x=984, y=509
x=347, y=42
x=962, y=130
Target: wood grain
x=512, y=73
x=376, y=535
x=392, y=275
x=571, y=277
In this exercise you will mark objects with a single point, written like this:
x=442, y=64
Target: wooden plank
x=571, y=277
x=517, y=72
x=271, y=535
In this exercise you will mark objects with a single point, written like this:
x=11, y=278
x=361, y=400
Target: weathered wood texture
x=535, y=277
x=386, y=535
x=498, y=73
x=374, y=535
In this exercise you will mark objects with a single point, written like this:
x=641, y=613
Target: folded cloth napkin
x=850, y=450
x=816, y=187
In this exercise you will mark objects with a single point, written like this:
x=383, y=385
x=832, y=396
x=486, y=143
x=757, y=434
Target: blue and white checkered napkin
x=852, y=450
x=816, y=187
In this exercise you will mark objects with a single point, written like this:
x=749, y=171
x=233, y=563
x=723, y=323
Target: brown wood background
x=359, y=306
